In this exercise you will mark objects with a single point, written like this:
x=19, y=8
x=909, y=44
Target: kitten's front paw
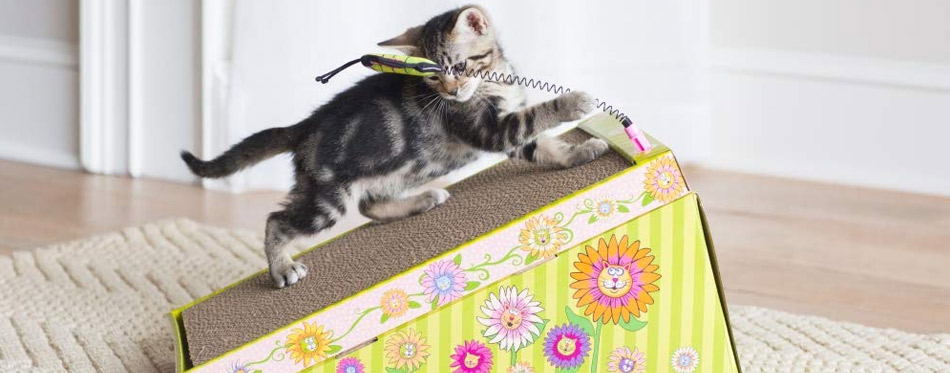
x=288, y=274
x=588, y=151
x=574, y=105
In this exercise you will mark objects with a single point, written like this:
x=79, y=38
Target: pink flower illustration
x=443, y=280
x=625, y=360
x=471, y=357
x=512, y=320
x=350, y=365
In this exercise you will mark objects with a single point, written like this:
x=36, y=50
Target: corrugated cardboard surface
x=373, y=254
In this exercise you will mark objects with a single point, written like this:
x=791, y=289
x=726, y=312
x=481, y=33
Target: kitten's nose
x=615, y=279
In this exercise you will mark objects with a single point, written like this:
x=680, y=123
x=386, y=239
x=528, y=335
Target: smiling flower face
x=664, y=181
x=521, y=367
x=471, y=357
x=443, y=280
x=623, y=360
x=394, y=303
x=309, y=344
x=407, y=349
x=566, y=346
x=685, y=360
x=605, y=208
x=615, y=280
x=512, y=318
x=350, y=365
x=542, y=237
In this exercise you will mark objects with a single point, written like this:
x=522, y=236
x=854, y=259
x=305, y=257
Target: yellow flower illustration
x=407, y=349
x=605, y=208
x=541, y=236
x=664, y=181
x=521, y=367
x=309, y=344
x=614, y=280
x=394, y=303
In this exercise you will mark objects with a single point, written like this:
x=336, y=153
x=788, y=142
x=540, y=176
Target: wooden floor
x=875, y=257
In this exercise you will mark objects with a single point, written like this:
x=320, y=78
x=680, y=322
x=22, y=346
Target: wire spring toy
x=540, y=85
x=417, y=66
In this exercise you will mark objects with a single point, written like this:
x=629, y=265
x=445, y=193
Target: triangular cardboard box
x=605, y=268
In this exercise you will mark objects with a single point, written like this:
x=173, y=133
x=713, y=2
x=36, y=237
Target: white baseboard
x=38, y=51
x=865, y=70
x=43, y=157
x=17, y=53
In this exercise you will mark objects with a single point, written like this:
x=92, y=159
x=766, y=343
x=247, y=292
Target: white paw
x=288, y=274
x=440, y=195
x=574, y=105
x=590, y=150
x=595, y=147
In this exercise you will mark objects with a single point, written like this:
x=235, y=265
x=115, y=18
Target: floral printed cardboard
x=530, y=244
x=640, y=297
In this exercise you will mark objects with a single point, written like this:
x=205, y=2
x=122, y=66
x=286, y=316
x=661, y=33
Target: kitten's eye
x=432, y=78
x=459, y=66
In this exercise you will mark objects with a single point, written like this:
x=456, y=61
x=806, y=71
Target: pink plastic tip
x=638, y=138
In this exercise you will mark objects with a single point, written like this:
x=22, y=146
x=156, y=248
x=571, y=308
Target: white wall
x=39, y=95
x=645, y=56
x=166, y=113
x=141, y=73
x=40, y=19
x=846, y=91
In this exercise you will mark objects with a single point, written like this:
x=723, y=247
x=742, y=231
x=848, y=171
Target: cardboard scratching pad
x=484, y=281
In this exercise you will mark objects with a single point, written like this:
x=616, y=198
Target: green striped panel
x=687, y=311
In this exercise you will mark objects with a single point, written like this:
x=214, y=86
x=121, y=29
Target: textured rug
x=101, y=304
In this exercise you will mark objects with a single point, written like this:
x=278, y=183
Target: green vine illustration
x=276, y=354
x=594, y=331
x=483, y=274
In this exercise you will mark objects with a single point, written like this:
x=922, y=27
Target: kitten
x=390, y=133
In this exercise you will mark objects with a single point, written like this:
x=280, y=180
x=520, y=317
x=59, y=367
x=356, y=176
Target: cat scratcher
x=604, y=267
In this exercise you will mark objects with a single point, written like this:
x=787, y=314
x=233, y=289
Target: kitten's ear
x=472, y=22
x=407, y=42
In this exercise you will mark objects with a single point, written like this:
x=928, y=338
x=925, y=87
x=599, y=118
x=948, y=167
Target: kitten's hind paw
x=439, y=196
x=431, y=199
x=574, y=105
x=288, y=274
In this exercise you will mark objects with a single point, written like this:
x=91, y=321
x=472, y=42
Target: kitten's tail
x=251, y=150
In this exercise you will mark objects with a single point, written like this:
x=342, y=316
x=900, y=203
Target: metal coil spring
x=539, y=85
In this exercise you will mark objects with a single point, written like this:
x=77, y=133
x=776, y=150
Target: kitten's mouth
x=464, y=93
x=456, y=98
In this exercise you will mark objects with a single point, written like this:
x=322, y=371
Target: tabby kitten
x=391, y=133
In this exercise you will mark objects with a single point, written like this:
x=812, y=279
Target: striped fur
x=391, y=133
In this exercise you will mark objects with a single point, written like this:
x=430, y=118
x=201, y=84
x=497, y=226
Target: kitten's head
x=463, y=39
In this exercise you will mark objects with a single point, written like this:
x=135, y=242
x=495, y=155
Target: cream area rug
x=101, y=305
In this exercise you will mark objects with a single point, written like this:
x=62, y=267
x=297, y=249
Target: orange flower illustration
x=542, y=237
x=664, y=181
x=614, y=280
x=394, y=303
